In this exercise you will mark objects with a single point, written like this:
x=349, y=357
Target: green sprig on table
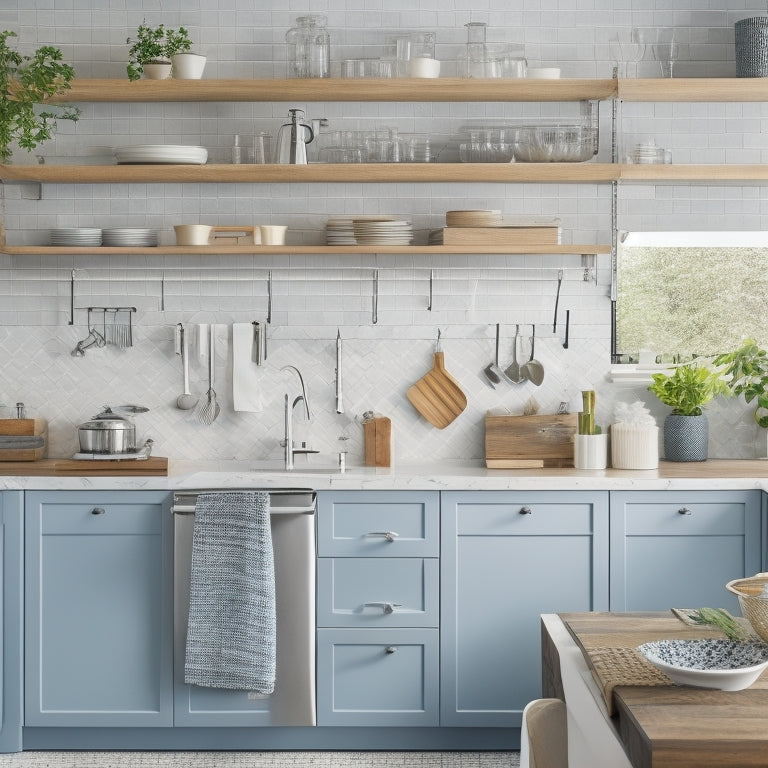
x=720, y=618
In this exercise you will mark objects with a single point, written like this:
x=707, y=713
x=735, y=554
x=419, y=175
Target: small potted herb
x=687, y=390
x=151, y=51
x=25, y=83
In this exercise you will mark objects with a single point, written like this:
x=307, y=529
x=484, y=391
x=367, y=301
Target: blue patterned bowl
x=727, y=665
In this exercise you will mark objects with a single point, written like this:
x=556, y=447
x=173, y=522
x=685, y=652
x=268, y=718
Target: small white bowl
x=272, y=234
x=726, y=665
x=192, y=234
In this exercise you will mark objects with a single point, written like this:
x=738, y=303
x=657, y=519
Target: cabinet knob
x=388, y=535
x=684, y=511
x=391, y=649
x=98, y=511
x=525, y=510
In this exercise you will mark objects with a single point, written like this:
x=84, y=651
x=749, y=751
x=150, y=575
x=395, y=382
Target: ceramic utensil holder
x=590, y=451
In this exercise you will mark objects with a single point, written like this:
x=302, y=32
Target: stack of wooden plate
x=473, y=218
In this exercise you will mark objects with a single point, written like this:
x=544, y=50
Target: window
x=684, y=294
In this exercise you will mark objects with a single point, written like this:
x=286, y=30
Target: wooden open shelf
x=332, y=89
x=314, y=172
x=704, y=89
x=320, y=250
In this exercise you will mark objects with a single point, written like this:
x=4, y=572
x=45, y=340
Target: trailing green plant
x=154, y=45
x=747, y=372
x=689, y=388
x=724, y=621
x=26, y=82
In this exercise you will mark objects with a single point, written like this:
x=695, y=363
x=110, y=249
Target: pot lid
x=108, y=419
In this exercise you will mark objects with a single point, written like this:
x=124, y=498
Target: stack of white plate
x=134, y=237
x=179, y=154
x=396, y=232
x=80, y=236
x=340, y=230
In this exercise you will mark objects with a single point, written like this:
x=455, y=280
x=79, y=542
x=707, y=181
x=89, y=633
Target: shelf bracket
x=375, y=298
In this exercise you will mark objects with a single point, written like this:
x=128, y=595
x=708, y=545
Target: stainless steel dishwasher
x=292, y=514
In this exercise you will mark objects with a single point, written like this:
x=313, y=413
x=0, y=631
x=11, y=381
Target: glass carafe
x=309, y=48
x=475, y=60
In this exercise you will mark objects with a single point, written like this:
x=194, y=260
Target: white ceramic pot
x=188, y=66
x=272, y=234
x=590, y=451
x=192, y=234
x=157, y=71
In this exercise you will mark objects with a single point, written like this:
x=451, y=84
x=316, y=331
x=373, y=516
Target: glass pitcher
x=309, y=48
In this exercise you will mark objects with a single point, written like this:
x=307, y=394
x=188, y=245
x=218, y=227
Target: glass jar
x=309, y=48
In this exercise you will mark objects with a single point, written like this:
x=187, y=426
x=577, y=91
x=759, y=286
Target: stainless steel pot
x=107, y=432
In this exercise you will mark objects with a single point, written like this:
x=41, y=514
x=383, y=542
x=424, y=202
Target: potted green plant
x=687, y=390
x=26, y=82
x=746, y=370
x=151, y=51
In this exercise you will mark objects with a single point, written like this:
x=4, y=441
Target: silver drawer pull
x=684, y=511
x=525, y=510
x=388, y=535
x=391, y=649
x=98, y=511
x=386, y=607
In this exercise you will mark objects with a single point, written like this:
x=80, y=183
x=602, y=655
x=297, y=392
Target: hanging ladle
x=513, y=371
x=493, y=373
x=533, y=370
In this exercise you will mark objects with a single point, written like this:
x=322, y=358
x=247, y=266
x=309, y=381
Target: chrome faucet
x=290, y=451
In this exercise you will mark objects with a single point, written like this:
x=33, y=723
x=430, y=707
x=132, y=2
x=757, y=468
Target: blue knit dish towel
x=231, y=634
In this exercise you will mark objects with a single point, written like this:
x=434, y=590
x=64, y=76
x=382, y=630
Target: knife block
x=514, y=442
x=17, y=430
x=377, y=435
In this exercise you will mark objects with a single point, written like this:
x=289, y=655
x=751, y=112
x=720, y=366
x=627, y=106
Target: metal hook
x=437, y=346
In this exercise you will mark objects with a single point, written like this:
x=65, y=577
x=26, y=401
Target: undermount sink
x=278, y=466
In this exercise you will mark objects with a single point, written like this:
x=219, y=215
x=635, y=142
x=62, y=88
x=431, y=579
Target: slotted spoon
x=211, y=408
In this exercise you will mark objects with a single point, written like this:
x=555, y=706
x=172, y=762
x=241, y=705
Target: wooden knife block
x=377, y=435
x=24, y=428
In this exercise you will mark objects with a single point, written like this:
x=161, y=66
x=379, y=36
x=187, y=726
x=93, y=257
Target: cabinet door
x=508, y=557
x=377, y=677
x=11, y=620
x=98, y=617
x=678, y=549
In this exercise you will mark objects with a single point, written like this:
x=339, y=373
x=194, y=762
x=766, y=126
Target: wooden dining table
x=658, y=724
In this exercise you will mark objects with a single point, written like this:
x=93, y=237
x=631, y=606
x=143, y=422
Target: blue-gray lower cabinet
x=378, y=677
x=506, y=558
x=378, y=608
x=678, y=549
x=98, y=590
x=11, y=616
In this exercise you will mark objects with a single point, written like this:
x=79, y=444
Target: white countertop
x=709, y=475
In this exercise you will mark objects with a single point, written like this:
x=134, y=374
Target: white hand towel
x=246, y=384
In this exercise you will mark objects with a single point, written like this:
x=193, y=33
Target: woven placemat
x=622, y=666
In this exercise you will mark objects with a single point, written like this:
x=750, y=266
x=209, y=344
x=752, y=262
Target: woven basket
x=752, y=47
x=754, y=608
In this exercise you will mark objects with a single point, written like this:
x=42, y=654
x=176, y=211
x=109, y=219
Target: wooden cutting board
x=153, y=466
x=437, y=396
x=529, y=441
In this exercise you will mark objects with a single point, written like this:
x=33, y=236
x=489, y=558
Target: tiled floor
x=261, y=760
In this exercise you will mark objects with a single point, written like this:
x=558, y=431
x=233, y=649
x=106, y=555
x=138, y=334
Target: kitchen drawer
x=697, y=513
x=491, y=513
x=378, y=592
x=377, y=677
x=96, y=513
x=378, y=524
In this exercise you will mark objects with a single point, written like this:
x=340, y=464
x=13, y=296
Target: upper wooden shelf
x=277, y=250
x=703, y=89
x=332, y=89
x=314, y=172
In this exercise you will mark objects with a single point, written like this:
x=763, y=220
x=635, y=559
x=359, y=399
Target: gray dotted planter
x=685, y=437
